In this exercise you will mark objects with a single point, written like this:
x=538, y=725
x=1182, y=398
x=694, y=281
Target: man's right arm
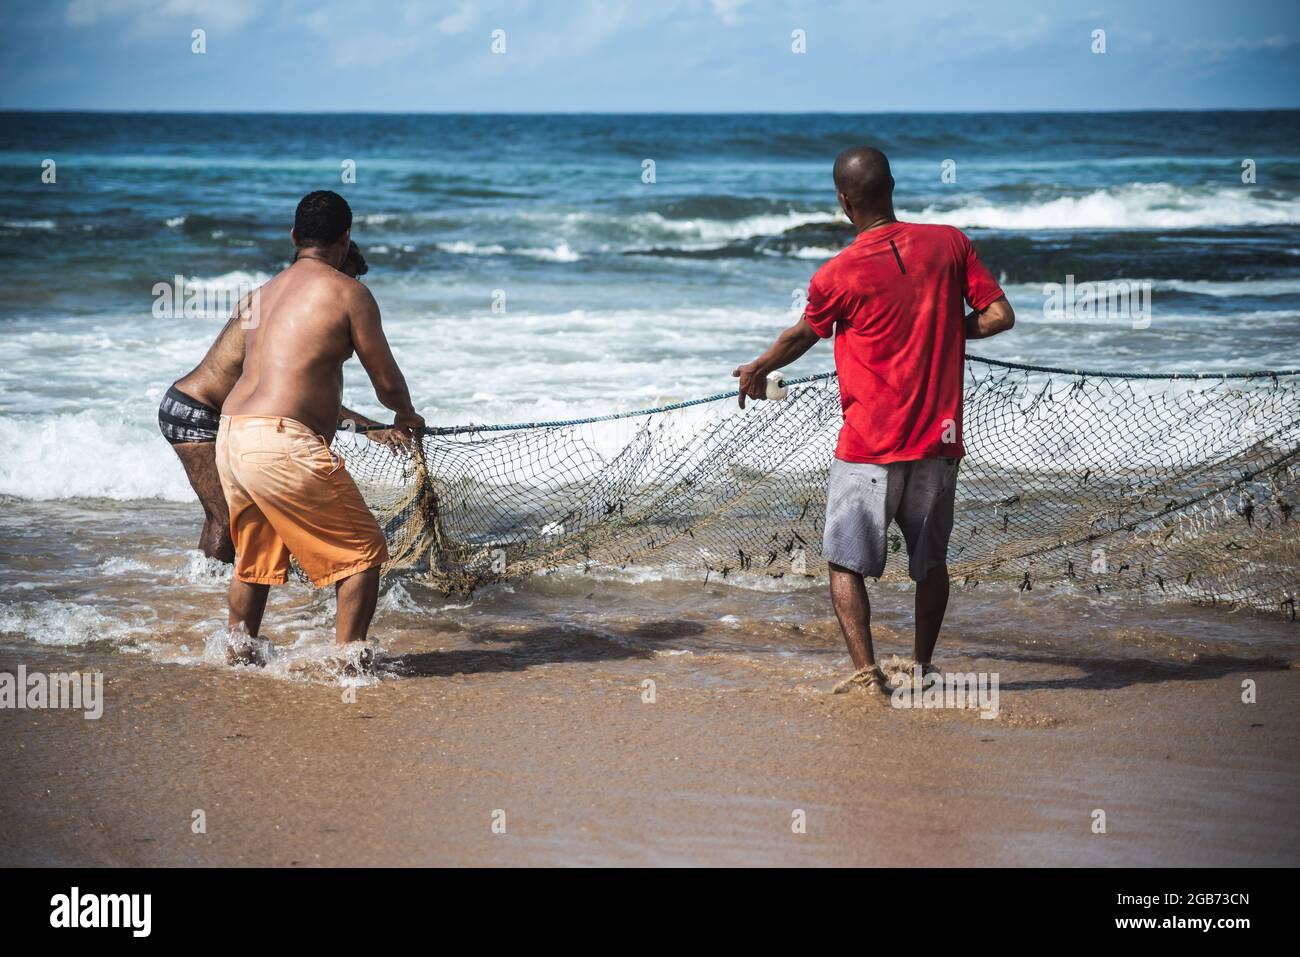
x=997, y=316
x=789, y=346
x=377, y=358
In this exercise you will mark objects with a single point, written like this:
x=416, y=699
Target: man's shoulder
x=940, y=245
x=935, y=230
x=831, y=268
x=355, y=294
x=339, y=287
x=334, y=277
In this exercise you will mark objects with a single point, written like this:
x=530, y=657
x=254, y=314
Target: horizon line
x=1002, y=112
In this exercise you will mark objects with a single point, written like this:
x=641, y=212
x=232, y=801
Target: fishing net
x=1180, y=486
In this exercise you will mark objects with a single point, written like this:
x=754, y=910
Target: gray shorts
x=862, y=499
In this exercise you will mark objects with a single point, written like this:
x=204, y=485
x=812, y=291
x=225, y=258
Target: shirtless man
x=287, y=492
x=188, y=417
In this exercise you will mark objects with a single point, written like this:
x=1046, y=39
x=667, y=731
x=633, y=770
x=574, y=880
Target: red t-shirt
x=894, y=301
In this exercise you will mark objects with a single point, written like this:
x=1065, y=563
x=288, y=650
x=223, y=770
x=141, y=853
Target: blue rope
x=1163, y=376
x=1081, y=373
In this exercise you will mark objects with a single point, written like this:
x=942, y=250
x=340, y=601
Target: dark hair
x=862, y=174
x=322, y=217
x=356, y=260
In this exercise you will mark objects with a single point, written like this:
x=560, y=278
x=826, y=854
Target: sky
x=649, y=55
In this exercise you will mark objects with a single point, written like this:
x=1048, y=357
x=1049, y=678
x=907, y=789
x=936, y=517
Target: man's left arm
x=350, y=419
x=995, y=318
x=789, y=346
x=385, y=435
x=991, y=313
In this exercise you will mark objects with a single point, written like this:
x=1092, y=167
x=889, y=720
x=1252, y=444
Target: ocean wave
x=48, y=458
x=461, y=248
x=62, y=623
x=656, y=226
x=1138, y=206
x=229, y=281
x=719, y=230
x=559, y=253
x=814, y=252
x=122, y=566
x=1245, y=288
x=748, y=228
x=1229, y=290
x=706, y=225
x=1123, y=223
x=41, y=224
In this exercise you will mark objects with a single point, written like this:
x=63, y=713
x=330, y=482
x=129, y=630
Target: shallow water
x=84, y=578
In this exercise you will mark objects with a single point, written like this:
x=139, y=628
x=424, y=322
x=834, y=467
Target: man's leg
x=858, y=508
x=931, y=603
x=853, y=609
x=925, y=516
x=356, y=597
x=247, y=603
x=200, y=463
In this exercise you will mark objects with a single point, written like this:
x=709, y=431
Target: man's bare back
x=212, y=379
x=294, y=354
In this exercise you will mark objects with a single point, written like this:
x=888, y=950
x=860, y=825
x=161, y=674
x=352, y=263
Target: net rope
x=1180, y=485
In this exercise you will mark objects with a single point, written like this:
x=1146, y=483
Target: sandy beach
x=547, y=723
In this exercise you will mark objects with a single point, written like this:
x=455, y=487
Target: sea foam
x=86, y=456
x=1137, y=206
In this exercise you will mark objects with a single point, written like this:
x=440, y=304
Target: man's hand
x=408, y=424
x=753, y=381
x=390, y=439
x=789, y=345
x=399, y=443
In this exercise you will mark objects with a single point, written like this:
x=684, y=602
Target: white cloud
x=1220, y=47
x=84, y=13
x=354, y=41
x=152, y=16
x=727, y=10
x=458, y=21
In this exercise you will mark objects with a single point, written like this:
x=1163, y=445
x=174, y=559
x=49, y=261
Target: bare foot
x=353, y=660
x=915, y=673
x=245, y=651
x=870, y=679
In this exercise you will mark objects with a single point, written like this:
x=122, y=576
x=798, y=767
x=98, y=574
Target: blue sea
x=546, y=266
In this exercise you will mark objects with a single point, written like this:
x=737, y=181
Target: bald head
x=862, y=175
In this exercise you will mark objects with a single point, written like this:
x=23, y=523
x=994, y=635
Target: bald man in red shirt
x=895, y=300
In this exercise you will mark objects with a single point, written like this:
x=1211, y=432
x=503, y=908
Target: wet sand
x=547, y=724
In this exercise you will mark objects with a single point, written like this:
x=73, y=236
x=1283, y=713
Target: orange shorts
x=289, y=493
